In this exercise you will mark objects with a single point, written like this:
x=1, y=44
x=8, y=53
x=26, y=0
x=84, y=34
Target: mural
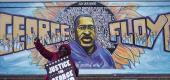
x=128, y=37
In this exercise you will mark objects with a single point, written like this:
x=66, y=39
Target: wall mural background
x=143, y=52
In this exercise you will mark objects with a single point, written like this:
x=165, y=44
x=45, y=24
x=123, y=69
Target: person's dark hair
x=67, y=48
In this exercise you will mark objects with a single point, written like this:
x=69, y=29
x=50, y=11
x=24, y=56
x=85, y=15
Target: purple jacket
x=101, y=58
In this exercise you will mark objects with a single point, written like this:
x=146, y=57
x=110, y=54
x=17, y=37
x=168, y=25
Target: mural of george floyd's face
x=85, y=32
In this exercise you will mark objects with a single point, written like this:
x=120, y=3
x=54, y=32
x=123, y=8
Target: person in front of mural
x=85, y=51
x=64, y=50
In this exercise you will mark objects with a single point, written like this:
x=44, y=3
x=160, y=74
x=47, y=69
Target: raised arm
x=43, y=51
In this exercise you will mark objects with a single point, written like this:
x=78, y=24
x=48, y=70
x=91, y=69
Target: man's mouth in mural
x=86, y=39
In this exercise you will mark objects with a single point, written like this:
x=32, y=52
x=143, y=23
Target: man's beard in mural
x=121, y=54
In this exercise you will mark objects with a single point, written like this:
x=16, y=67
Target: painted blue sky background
x=154, y=61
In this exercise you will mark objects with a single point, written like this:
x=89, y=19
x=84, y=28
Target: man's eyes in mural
x=84, y=27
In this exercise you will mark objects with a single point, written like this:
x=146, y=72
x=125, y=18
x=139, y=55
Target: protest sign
x=61, y=69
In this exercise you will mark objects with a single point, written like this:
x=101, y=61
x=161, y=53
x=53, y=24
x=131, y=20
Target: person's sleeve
x=75, y=68
x=44, y=52
x=76, y=71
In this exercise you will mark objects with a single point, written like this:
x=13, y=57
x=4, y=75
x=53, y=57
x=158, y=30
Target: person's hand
x=36, y=40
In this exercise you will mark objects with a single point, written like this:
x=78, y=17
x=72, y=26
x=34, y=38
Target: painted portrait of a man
x=85, y=50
